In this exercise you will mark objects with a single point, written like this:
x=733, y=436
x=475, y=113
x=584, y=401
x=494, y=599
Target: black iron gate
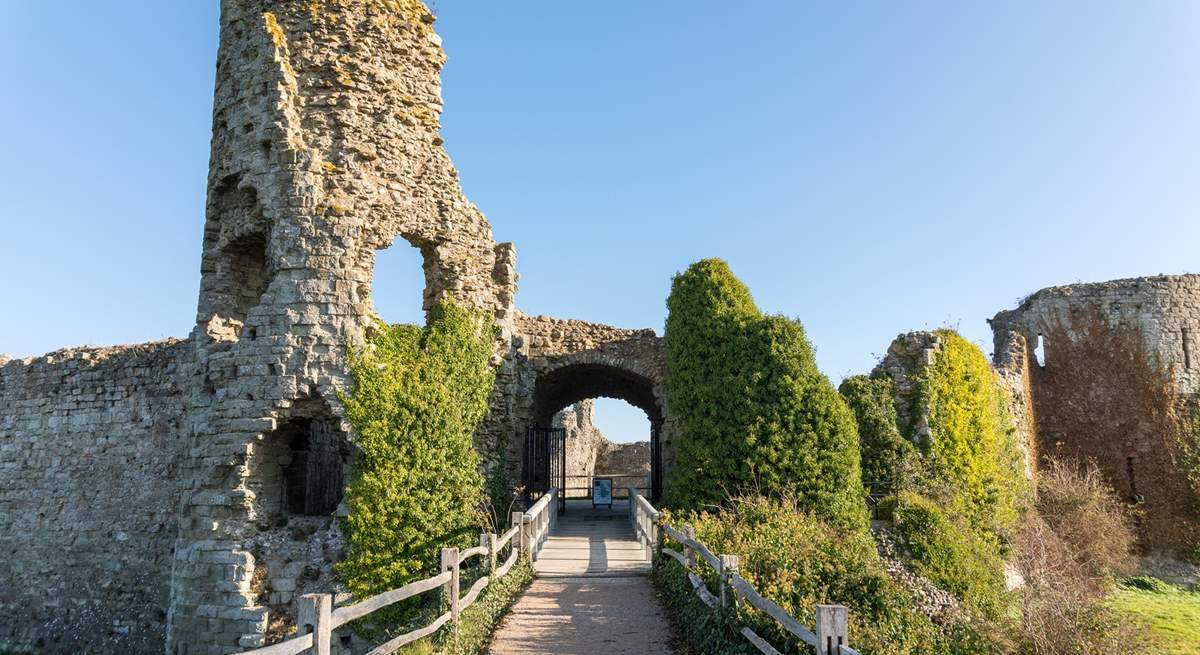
x=545, y=463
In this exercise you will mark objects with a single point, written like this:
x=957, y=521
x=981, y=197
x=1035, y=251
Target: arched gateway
x=557, y=363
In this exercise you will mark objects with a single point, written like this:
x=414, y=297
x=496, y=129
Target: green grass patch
x=1173, y=614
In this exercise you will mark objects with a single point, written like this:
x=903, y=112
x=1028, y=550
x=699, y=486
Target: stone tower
x=325, y=149
x=1099, y=372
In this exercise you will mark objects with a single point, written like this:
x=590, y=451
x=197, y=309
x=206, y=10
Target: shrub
x=945, y=550
x=1082, y=511
x=418, y=396
x=752, y=410
x=1062, y=611
x=882, y=449
x=798, y=561
x=972, y=448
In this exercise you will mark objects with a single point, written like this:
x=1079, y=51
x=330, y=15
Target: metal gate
x=544, y=464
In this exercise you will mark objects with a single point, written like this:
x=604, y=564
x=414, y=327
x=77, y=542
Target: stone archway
x=559, y=363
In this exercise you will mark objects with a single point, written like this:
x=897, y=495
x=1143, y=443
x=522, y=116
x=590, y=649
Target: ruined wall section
x=1165, y=309
x=90, y=440
x=582, y=442
x=1118, y=358
x=326, y=148
x=555, y=363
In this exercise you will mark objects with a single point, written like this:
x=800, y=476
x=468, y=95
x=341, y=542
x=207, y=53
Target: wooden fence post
x=527, y=535
x=689, y=555
x=489, y=539
x=729, y=567
x=516, y=540
x=450, y=563
x=312, y=616
x=832, y=626
x=656, y=530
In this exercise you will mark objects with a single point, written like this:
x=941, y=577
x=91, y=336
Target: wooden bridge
x=591, y=593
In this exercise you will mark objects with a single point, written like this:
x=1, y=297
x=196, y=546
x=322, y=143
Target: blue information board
x=601, y=492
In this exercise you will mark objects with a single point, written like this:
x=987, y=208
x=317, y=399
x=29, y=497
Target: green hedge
x=418, y=396
x=950, y=554
x=883, y=450
x=753, y=413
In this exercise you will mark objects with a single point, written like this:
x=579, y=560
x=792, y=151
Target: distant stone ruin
x=590, y=454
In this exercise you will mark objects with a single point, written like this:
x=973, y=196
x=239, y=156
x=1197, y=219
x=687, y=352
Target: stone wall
x=555, y=363
x=582, y=441
x=90, y=440
x=326, y=148
x=1118, y=358
x=590, y=453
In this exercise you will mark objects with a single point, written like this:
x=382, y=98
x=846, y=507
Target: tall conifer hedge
x=753, y=412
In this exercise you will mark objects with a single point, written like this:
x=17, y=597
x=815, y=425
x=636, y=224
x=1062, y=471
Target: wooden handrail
x=830, y=635
x=343, y=615
x=532, y=527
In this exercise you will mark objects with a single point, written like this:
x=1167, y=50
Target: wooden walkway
x=592, y=594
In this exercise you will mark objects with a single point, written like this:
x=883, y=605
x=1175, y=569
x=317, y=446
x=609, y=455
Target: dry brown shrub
x=1083, y=512
x=1062, y=605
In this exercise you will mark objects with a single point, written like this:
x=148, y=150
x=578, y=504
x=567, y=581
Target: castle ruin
x=177, y=496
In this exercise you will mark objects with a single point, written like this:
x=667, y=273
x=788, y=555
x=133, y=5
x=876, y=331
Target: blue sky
x=869, y=168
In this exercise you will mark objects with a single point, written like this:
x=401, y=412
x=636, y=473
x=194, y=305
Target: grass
x=1173, y=614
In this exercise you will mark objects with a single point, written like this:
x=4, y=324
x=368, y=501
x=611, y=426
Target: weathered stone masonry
x=1117, y=356
x=90, y=445
x=188, y=490
x=177, y=496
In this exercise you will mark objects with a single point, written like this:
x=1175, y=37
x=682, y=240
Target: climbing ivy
x=972, y=449
x=754, y=414
x=884, y=451
x=419, y=394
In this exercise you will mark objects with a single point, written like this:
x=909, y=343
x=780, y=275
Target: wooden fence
x=829, y=637
x=316, y=618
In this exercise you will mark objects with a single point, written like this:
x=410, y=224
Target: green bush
x=972, y=448
x=945, y=550
x=883, y=450
x=798, y=561
x=753, y=413
x=418, y=396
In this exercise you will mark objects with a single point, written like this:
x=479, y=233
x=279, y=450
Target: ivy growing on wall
x=973, y=445
x=419, y=394
x=754, y=413
x=883, y=450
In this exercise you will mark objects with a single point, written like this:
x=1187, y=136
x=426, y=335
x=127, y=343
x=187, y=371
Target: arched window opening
x=236, y=264
x=246, y=272
x=1039, y=351
x=397, y=288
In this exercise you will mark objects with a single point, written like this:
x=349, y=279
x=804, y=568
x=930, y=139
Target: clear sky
x=867, y=167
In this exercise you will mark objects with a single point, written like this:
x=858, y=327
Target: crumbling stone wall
x=90, y=440
x=590, y=453
x=1119, y=357
x=582, y=440
x=326, y=148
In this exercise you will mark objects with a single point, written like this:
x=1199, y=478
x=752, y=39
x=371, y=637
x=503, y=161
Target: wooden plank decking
x=592, y=593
